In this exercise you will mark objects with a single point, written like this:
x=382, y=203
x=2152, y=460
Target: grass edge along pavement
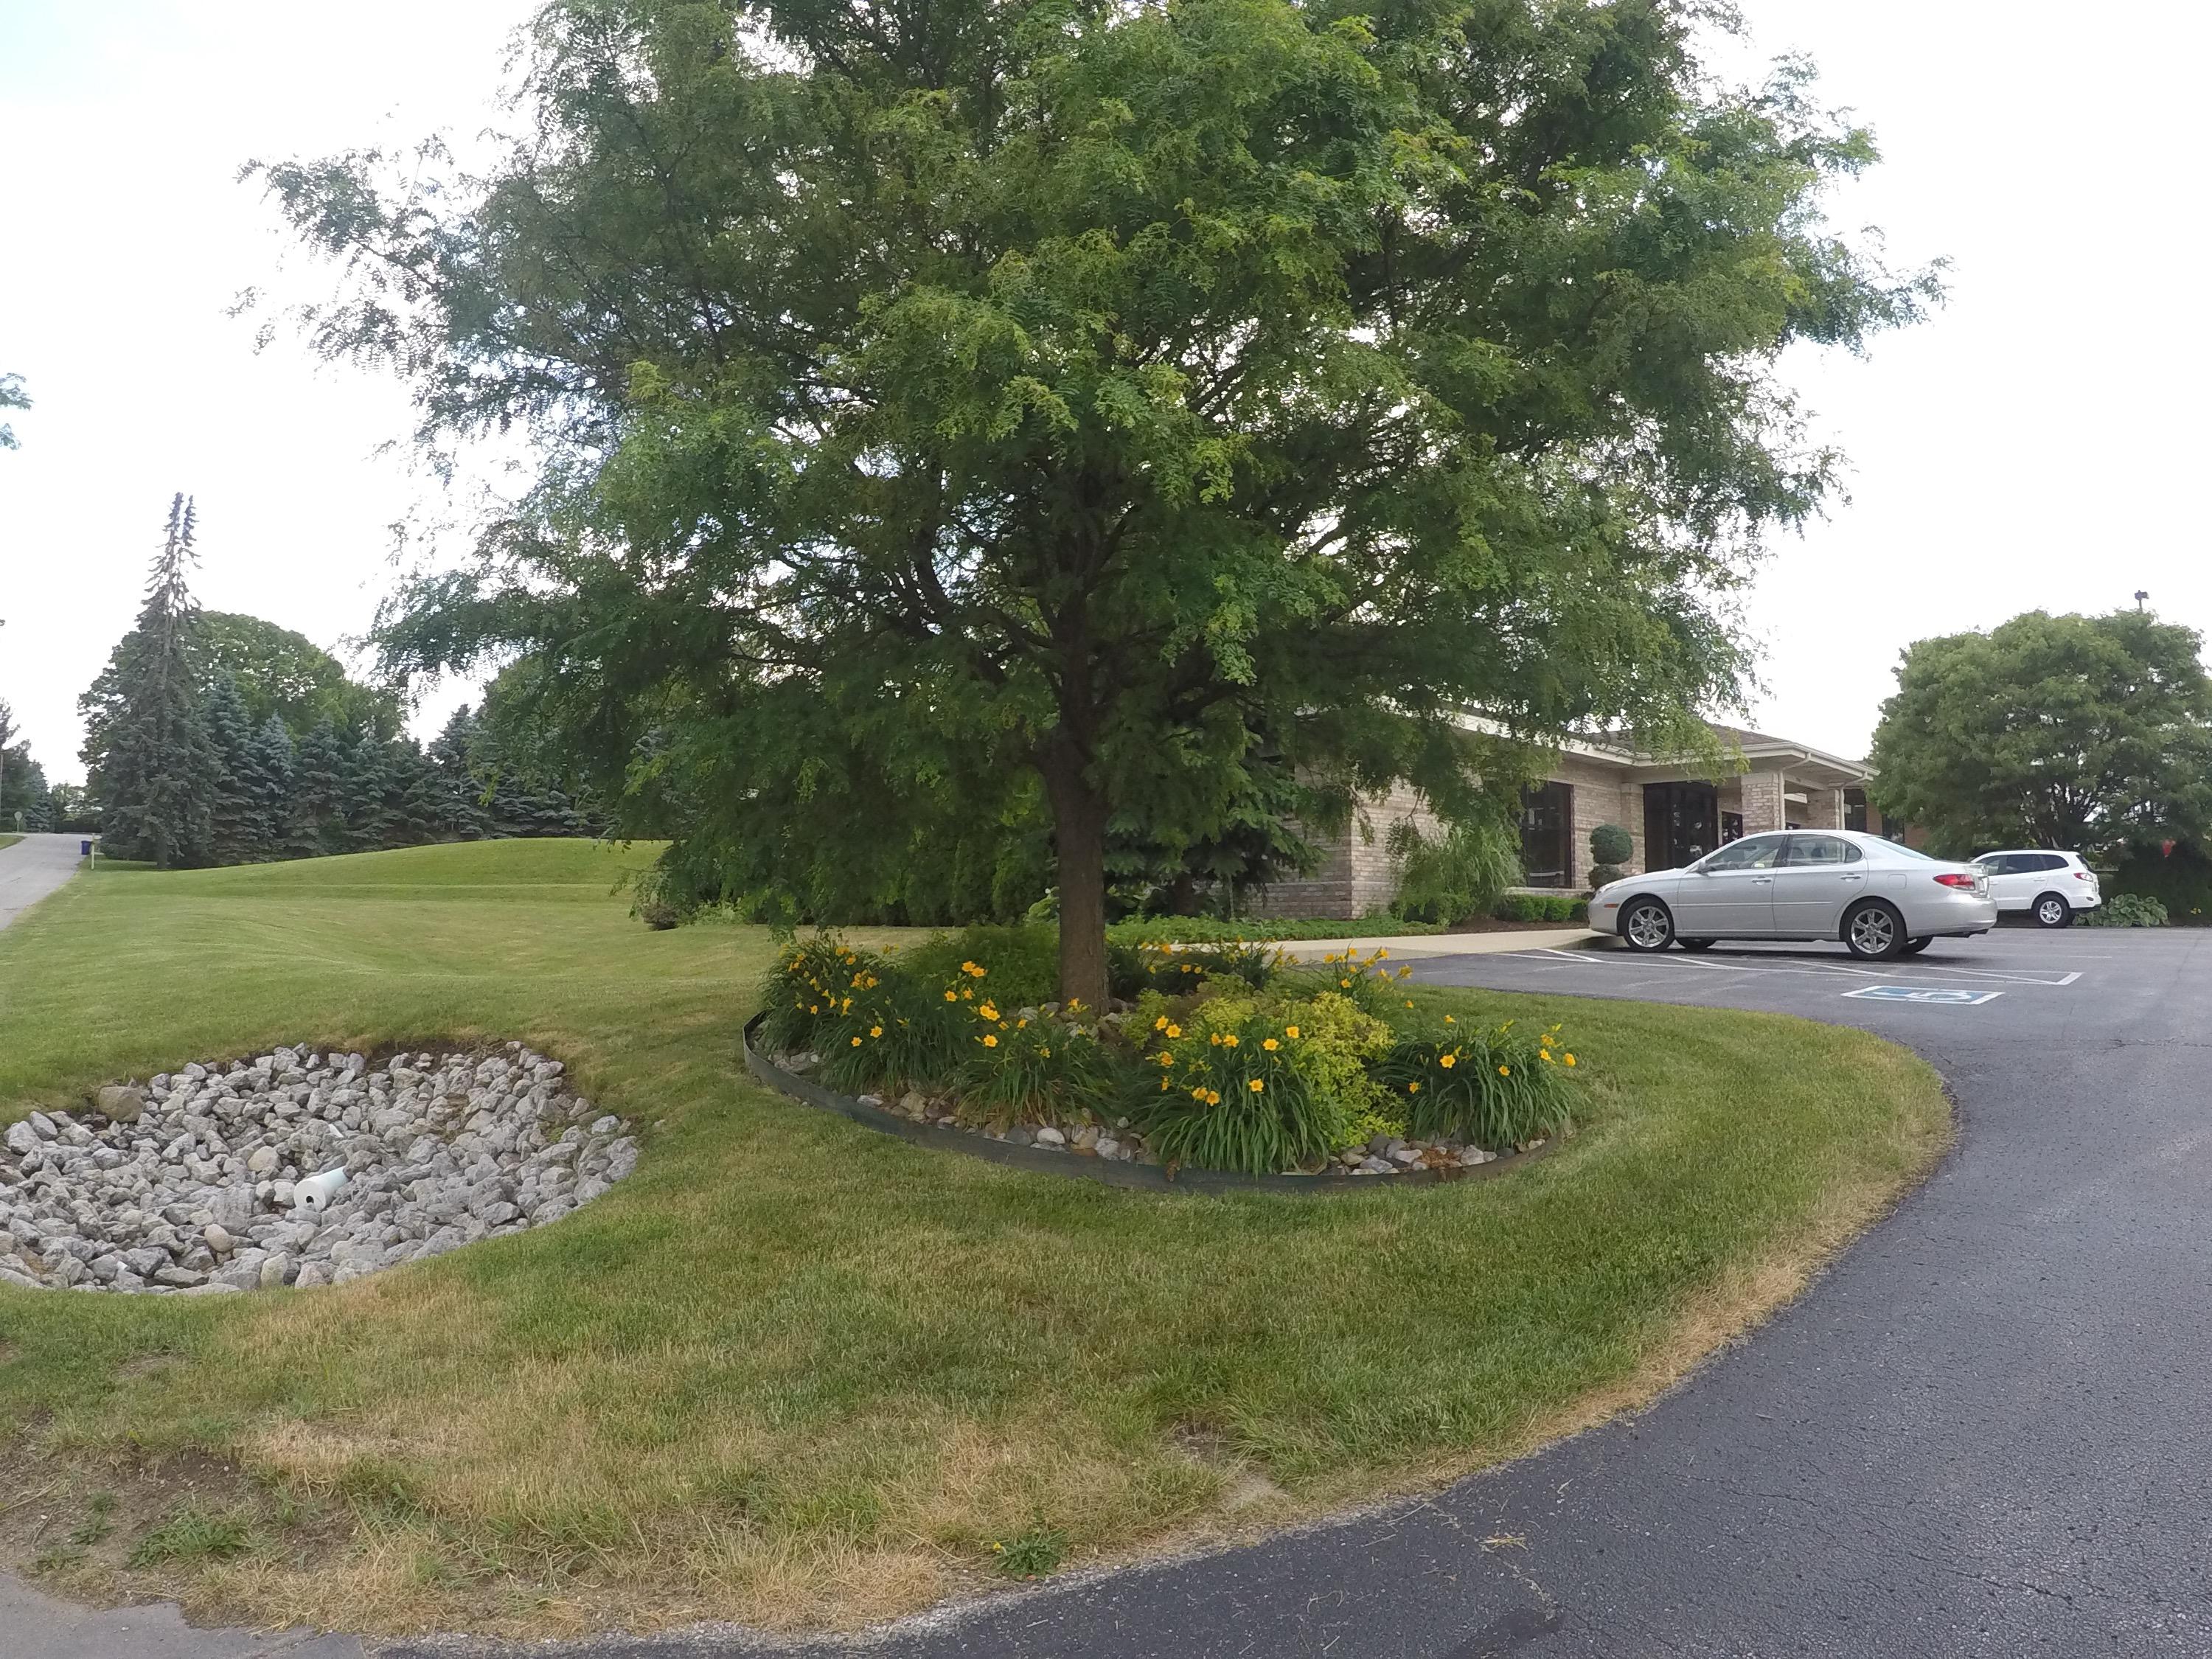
x=795, y=1375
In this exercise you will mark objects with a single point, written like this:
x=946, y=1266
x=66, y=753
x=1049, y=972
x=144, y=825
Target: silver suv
x=2049, y=886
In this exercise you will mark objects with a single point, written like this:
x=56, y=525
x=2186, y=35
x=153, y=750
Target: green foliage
x=192, y=1533
x=1031, y=1553
x=1178, y=970
x=26, y=801
x=1541, y=907
x=1105, y=412
x=152, y=764
x=2180, y=879
x=2077, y=731
x=1021, y=965
x=1015, y=1067
x=1610, y=844
x=12, y=395
x=885, y=1027
x=1368, y=981
x=1604, y=875
x=1192, y=930
x=1233, y=1094
x=1499, y=1088
x=2124, y=910
x=1457, y=875
x=802, y=989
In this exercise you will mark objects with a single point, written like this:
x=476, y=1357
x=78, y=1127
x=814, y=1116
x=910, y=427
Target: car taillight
x=1952, y=878
x=2083, y=875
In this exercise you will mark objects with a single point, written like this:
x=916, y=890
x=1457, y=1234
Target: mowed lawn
x=794, y=1373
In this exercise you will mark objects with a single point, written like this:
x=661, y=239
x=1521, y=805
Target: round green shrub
x=1611, y=844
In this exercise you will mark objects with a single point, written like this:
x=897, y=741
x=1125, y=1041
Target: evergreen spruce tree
x=414, y=797
x=363, y=781
x=235, y=834
x=460, y=796
x=268, y=784
x=318, y=818
x=156, y=781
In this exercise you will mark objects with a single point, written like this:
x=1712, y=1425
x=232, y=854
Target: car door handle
x=1854, y=878
x=1762, y=881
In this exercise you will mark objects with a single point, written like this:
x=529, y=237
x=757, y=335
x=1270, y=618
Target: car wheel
x=1646, y=926
x=2051, y=910
x=1697, y=944
x=1913, y=947
x=1874, y=932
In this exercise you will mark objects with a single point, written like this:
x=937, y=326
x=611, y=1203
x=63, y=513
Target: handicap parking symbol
x=1947, y=996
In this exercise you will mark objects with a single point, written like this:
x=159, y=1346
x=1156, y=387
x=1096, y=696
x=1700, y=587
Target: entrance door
x=1681, y=823
x=1731, y=893
x=1820, y=875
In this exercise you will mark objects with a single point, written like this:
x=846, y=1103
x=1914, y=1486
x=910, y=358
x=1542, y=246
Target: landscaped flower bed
x=1221, y=1056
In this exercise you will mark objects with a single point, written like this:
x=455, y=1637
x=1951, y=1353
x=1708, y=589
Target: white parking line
x=1932, y=971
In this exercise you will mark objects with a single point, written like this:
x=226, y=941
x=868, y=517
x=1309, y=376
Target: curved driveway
x=1987, y=1432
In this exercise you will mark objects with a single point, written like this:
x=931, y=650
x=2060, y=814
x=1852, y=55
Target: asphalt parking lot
x=2016, y=982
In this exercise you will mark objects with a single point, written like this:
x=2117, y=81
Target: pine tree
x=318, y=818
x=362, y=780
x=413, y=796
x=156, y=781
x=460, y=797
x=236, y=834
x=269, y=783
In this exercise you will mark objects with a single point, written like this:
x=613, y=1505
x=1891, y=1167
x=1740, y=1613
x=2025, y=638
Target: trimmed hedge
x=1194, y=930
x=2182, y=883
x=1543, y=906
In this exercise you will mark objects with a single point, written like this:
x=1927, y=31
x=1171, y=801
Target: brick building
x=1672, y=813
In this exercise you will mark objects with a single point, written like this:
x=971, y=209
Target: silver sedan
x=1880, y=898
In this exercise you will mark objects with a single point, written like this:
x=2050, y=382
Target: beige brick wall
x=1360, y=875
x=1823, y=808
x=1762, y=802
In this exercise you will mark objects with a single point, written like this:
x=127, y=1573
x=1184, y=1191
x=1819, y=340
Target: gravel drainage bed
x=297, y=1168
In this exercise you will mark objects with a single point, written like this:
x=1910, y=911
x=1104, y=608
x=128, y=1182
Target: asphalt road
x=33, y=868
x=1987, y=1432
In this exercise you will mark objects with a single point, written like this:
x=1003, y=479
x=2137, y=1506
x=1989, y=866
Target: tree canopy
x=946, y=405
x=2082, y=733
x=272, y=670
x=12, y=395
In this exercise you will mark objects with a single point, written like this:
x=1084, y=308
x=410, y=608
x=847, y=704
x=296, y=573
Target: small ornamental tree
x=1611, y=847
x=946, y=401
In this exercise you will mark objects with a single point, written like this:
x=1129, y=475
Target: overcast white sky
x=2034, y=444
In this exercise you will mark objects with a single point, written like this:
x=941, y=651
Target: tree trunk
x=1078, y=817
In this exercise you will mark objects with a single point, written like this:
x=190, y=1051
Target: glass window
x=1816, y=851
x=1855, y=810
x=2049, y=861
x=1548, y=821
x=1757, y=852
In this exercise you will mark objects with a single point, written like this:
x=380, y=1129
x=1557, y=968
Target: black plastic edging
x=1109, y=1172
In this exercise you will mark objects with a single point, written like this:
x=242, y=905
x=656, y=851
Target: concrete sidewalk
x=1418, y=946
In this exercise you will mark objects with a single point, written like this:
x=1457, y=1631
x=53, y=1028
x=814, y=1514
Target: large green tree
x=941, y=400
x=2072, y=731
x=272, y=669
x=154, y=775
